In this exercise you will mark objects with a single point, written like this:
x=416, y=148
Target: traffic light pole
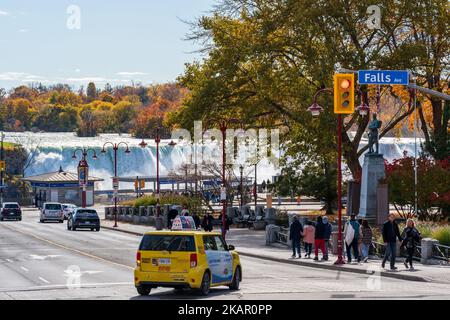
x=340, y=259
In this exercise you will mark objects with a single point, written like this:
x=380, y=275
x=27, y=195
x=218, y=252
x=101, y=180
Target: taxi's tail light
x=193, y=260
x=138, y=259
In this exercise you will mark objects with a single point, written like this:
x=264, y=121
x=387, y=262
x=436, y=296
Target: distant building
x=60, y=186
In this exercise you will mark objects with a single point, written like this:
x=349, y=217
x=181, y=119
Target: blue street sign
x=383, y=77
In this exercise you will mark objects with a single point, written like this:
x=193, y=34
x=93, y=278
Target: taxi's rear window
x=171, y=243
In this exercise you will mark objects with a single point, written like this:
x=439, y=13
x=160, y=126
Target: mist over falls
x=56, y=149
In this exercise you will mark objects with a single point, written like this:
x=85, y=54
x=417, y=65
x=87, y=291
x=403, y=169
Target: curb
x=338, y=268
x=123, y=231
x=307, y=264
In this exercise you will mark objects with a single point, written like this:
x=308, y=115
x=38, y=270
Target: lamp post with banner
x=83, y=171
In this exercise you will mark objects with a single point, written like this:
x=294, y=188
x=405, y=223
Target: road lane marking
x=68, y=248
x=64, y=286
x=43, y=280
x=24, y=269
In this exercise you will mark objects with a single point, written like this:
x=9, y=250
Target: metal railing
x=441, y=252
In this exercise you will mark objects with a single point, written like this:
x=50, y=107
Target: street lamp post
x=223, y=127
x=115, y=181
x=315, y=110
x=2, y=155
x=83, y=171
x=241, y=169
x=143, y=144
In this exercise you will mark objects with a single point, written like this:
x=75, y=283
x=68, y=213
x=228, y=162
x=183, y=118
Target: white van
x=52, y=211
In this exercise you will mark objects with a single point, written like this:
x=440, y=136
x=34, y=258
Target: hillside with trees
x=137, y=110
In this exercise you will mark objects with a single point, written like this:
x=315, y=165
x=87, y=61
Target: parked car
x=52, y=211
x=83, y=219
x=10, y=211
x=68, y=209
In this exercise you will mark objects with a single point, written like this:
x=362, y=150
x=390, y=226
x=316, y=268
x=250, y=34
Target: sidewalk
x=251, y=243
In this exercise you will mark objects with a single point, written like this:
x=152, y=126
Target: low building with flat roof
x=60, y=186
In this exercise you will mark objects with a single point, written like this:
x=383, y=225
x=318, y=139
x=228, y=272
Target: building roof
x=58, y=176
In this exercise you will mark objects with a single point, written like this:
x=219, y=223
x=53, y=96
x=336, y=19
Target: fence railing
x=441, y=252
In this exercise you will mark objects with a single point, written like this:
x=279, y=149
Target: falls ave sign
x=383, y=77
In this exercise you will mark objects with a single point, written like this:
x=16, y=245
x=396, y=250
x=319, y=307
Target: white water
x=56, y=149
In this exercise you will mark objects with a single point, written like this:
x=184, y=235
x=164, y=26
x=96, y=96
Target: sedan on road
x=10, y=211
x=83, y=219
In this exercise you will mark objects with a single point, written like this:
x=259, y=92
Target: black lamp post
x=115, y=179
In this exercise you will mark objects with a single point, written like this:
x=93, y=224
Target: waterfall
x=56, y=149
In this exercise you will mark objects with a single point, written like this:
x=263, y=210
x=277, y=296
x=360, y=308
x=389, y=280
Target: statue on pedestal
x=374, y=126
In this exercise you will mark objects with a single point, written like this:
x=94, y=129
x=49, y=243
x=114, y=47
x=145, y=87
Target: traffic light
x=142, y=184
x=344, y=93
x=136, y=184
x=2, y=166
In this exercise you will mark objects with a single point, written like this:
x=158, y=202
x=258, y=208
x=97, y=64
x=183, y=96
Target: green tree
x=91, y=92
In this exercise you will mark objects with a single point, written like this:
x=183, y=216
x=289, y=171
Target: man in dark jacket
x=207, y=222
x=390, y=233
x=196, y=220
x=295, y=235
x=319, y=239
x=327, y=235
x=173, y=213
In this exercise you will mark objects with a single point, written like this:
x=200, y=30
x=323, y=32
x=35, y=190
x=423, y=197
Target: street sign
x=383, y=77
x=223, y=194
x=115, y=183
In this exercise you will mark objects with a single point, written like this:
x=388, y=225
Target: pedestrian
x=196, y=220
x=391, y=233
x=411, y=236
x=352, y=232
x=185, y=211
x=366, y=240
x=327, y=235
x=360, y=221
x=319, y=239
x=173, y=213
x=295, y=235
x=308, y=238
x=207, y=222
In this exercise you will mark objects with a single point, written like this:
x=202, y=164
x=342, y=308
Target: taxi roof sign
x=181, y=223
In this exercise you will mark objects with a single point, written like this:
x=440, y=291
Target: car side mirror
x=231, y=248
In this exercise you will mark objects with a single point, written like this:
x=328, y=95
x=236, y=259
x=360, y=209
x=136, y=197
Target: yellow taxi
x=186, y=259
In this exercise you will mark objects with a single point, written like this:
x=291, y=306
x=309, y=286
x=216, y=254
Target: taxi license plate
x=164, y=262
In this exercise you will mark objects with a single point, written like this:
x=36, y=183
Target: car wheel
x=236, y=279
x=74, y=228
x=1, y=219
x=143, y=290
x=61, y=221
x=41, y=220
x=206, y=284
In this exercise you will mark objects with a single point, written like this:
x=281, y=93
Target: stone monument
x=373, y=171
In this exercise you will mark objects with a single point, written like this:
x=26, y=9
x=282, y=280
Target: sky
x=78, y=41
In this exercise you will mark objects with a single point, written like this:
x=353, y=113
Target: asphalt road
x=46, y=261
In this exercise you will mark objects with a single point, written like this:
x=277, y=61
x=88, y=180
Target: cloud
x=3, y=13
x=130, y=74
x=23, y=30
x=77, y=70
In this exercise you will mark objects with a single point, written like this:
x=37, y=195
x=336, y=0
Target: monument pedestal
x=373, y=171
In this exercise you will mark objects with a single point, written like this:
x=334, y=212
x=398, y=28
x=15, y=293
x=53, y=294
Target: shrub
x=442, y=234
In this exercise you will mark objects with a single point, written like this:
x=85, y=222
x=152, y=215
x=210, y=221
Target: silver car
x=68, y=209
x=52, y=211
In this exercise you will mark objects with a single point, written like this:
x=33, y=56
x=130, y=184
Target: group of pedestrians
x=317, y=234
x=358, y=238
